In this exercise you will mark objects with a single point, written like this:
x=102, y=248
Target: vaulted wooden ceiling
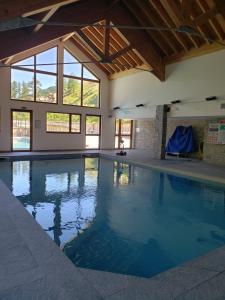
x=116, y=50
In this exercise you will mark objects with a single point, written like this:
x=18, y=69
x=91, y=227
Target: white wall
x=191, y=80
x=53, y=141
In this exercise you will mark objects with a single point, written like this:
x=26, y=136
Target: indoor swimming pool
x=117, y=217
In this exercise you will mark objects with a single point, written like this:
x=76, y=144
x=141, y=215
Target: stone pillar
x=160, y=131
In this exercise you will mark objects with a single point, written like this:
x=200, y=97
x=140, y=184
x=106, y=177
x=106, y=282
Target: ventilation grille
x=222, y=106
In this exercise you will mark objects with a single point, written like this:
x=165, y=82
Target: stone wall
x=211, y=153
x=145, y=137
x=214, y=153
x=199, y=129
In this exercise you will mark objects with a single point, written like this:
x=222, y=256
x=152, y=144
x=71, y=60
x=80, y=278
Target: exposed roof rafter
x=9, y=10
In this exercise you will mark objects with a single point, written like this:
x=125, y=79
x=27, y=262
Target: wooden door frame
x=31, y=129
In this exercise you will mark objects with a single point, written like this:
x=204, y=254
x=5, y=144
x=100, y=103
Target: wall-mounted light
x=175, y=101
x=212, y=98
x=115, y=108
x=140, y=105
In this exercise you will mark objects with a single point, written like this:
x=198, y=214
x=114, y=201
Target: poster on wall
x=216, y=133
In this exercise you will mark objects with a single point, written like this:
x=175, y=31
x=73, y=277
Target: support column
x=160, y=131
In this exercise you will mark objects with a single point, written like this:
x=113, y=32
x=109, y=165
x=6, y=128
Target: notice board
x=216, y=132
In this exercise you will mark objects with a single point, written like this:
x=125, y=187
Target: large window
x=80, y=86
x=123, y=137
x=93, y=131
x=35, y=78
x=63, y=123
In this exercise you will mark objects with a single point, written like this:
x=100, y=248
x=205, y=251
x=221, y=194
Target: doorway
x=21, y=125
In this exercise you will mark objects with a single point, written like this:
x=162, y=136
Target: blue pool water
x=117, y=217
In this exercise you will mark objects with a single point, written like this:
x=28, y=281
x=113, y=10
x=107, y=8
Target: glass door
x=21, y=130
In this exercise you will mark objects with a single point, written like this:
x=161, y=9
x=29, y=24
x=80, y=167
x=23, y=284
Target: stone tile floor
x=33, y=267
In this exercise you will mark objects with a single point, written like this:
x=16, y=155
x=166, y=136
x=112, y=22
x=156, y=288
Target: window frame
x=100, y=130
x=35, y=71
x=82, y=79
x=70, y=122
x=120, y=134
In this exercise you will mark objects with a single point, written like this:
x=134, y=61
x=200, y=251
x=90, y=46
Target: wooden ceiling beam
x=8, y=60
x=9, y=9
x=49, y=14
x=204, y=30
x=97, y=40
x=139, y=40
x=131, y=58
x=16, y=41
x=205, y=49
x=186, y=6
x=173, y=11
x=175, y=14
x=122, y=49
x=89, y=56
x=135, y=10
x=67, y=37
x=159, y=10
x=97, y=36
x=204, y=17
x=121, y=52
x=219, y=34
x=146, y=9
x=217, y=8
x=106, y=38
x=114, y=47
x=90, y=43
x=218, y=17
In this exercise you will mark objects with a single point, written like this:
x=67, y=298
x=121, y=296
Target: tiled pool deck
x=33, y=267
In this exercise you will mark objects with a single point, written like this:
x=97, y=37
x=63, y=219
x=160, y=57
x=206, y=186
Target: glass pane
x=117, y=126
x=75, y=123
x=71, y=91
x=47, y=57
x=90, y=93
x=22, y=85
x=72, y=66
x=46, y=88
x=116, y=142
x=21, y=130
x=27, y=63
x=57, y=122
x=125, y=142
x=92, y=142
x=126, y=126
x=88, y=75
x=92, y=125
